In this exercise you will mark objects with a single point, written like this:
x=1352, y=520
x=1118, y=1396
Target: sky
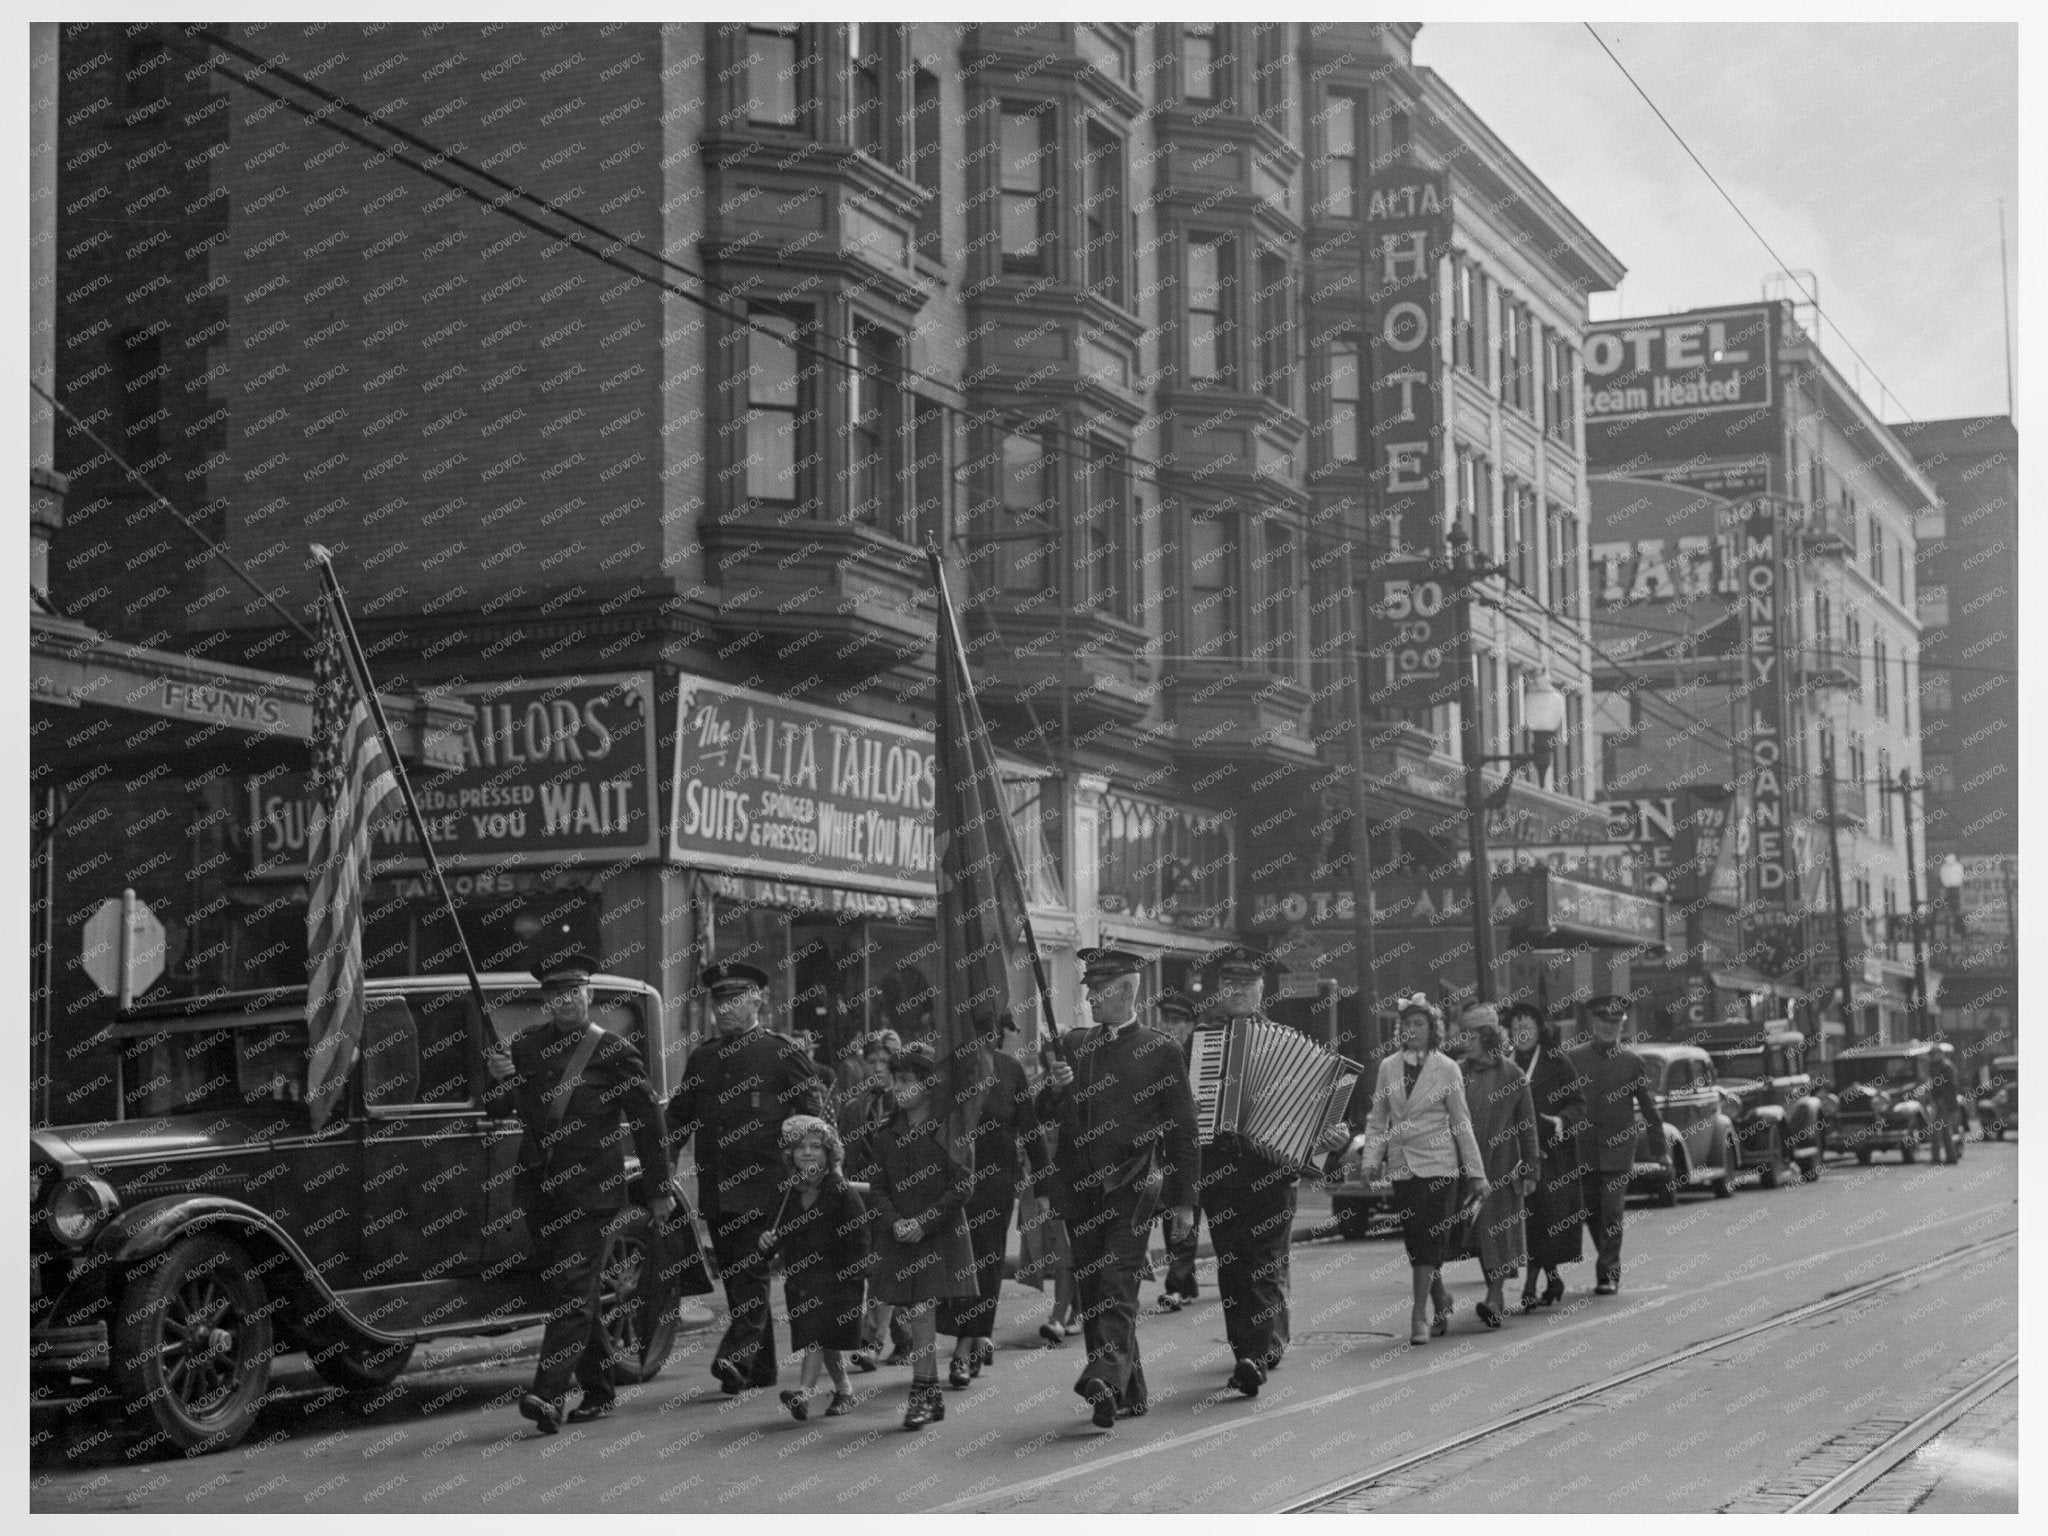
x=1872, y=155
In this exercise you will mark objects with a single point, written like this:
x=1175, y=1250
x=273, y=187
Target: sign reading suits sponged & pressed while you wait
x=769, y=786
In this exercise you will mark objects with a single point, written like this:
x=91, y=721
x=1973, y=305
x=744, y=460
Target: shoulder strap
x=572, y=1074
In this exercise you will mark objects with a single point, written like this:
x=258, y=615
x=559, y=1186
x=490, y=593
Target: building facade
x=1081, y=305
x=1714, y=429
x=1969, y=680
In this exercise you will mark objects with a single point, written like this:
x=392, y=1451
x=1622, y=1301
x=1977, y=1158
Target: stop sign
x=103, y=948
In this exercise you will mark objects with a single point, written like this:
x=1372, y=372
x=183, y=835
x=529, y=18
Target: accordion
x=1271, y=1086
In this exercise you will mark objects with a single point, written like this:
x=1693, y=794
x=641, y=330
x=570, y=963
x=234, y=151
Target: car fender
x=1725, y=1137
x=1767, y=1114
x=1803, y=1115
x=145, y=1230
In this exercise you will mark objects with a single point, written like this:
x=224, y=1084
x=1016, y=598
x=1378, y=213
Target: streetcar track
x=1360, y=1484
x=1009, y=1495
x=1857, y=1478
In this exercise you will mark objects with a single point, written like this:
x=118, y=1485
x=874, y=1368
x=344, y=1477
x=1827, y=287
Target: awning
x=97, y=699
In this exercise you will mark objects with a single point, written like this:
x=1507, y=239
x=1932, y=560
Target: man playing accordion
x=1248, y=1196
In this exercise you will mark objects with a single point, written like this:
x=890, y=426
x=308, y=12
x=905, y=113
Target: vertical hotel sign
x=1407, y=233
x=1759, y=528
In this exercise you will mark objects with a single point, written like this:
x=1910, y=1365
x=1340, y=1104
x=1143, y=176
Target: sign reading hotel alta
x=769, y=787
x=556, y=770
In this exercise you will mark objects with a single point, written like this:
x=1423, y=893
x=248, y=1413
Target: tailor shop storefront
x=1557, y=939
x=802, y=841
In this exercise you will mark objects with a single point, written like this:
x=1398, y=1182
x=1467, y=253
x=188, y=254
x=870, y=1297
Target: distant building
x=1969, y=701
x=1693, y=420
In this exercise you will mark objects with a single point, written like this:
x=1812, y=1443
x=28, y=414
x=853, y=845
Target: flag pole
x=359, y=669
x=952, y=623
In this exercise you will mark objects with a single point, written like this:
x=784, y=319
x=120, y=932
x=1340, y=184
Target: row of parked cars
x=1738, y=1099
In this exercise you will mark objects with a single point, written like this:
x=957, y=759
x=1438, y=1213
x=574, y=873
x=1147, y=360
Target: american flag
x=353, y=788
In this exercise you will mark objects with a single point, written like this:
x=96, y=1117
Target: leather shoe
x=730, y=1380
x=1247, y=1376
x=592, y=1408
x=1103, y=1401
x=545, y=1415
x=1606, y=1287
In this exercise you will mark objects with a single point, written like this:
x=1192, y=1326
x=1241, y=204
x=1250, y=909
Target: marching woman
x=1557, y=1208
x=1006, y=1119
x=1418, y=1129
x=919, y=1188
x=1504, y=1125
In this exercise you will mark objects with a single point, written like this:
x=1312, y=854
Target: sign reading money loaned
x=555, y=770
x=766, y=786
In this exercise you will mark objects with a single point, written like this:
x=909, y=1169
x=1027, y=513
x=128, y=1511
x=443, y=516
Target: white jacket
x=1422, y=1135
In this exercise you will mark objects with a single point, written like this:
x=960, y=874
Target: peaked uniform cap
x=730, y=975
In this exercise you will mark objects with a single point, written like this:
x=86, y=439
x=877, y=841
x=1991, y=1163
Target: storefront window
x=1164, y=863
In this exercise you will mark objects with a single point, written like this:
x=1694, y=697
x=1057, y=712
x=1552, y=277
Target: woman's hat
x=1478, y=1014
x=1417, y=1003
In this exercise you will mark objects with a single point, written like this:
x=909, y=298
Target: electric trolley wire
x=1783, y=264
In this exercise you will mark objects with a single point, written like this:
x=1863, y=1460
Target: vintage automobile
x=175, y=1249
x=1998, y=1106
x=1354, y=1199
x=1768, y=1093
x=1697, y=1129
x=1884, y=1102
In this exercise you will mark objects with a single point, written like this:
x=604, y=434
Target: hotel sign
x=1676, y=365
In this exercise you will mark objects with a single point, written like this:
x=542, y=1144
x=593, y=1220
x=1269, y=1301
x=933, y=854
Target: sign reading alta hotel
x=1409, y=655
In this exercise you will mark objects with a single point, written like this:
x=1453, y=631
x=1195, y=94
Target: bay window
x=1274, y=345
x=1104, y=209
x=774, y=74
x=1028, y=522
x=1278, y=581
x=1340, y=157
x=1211, y=598
x=777, y=432
x=874, y=396
x=1209, y=263
x=1104, y=568
x=1341, y=401
x=1028, y=176
x=1201, y=62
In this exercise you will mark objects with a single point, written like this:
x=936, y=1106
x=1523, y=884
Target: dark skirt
x=1557, y=1212
x=1430, y=1225
x=938, y=1264
x=988, y=1233
x=827, y=1316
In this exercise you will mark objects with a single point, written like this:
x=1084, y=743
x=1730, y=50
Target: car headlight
x=79, y=1209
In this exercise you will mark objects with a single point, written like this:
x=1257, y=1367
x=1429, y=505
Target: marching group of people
x=1500, y=1146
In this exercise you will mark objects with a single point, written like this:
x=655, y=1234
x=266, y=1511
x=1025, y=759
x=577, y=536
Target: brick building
x=1695, y=418
x=1969, y=681
x=1081, y=303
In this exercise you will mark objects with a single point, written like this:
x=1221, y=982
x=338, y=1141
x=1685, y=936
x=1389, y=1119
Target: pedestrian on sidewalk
x=923, y=1254
x=1250, y=1197
x=1504, y=1124
x=1044, y=1251
x=571, y=1082
x=1618, y=1088
x=820, y=1234
x=1119, y=1096
x=737, y=1089
x=1419, y=1130
x=1173, y=1013
x=1557, y=1208
x=1005, y=1119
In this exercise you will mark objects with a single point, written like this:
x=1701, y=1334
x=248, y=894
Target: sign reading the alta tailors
x=555, y=770
x=771, y=787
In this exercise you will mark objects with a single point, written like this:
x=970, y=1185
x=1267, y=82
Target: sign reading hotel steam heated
x=1763, y=699
x=556, y=770
x=1684, y=389
x=1410, y=658
x=765, y=786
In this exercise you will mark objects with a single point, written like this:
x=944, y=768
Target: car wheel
x=191, y=1346
x=1725, y=1185
x=1667, y=1192
x=2001, y=1133
x=1810, y=1164
x=1908, y=1148
x=354, y=1369
x=1863, y=1155
x=1773, y=1170
x=628, y=1268
x=1354, y=1221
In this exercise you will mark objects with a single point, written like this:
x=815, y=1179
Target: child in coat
x=920, y=1185
x=820, y=1233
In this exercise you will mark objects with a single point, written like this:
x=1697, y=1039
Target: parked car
x=1768, y=1093
x=1697, y=1130
x=1998, y=1106
x=1884, y=1100
x=174, y=1249
x=1354, y=1199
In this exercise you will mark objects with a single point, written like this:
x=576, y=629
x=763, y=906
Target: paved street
x=1719, y=1430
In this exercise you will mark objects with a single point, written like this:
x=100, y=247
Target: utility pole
x=1905, y=792
x=1827, y=769
x=1472, y=748
x=1364, y=940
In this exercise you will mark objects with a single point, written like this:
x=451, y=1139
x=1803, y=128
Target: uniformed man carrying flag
x=1126, y=1120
